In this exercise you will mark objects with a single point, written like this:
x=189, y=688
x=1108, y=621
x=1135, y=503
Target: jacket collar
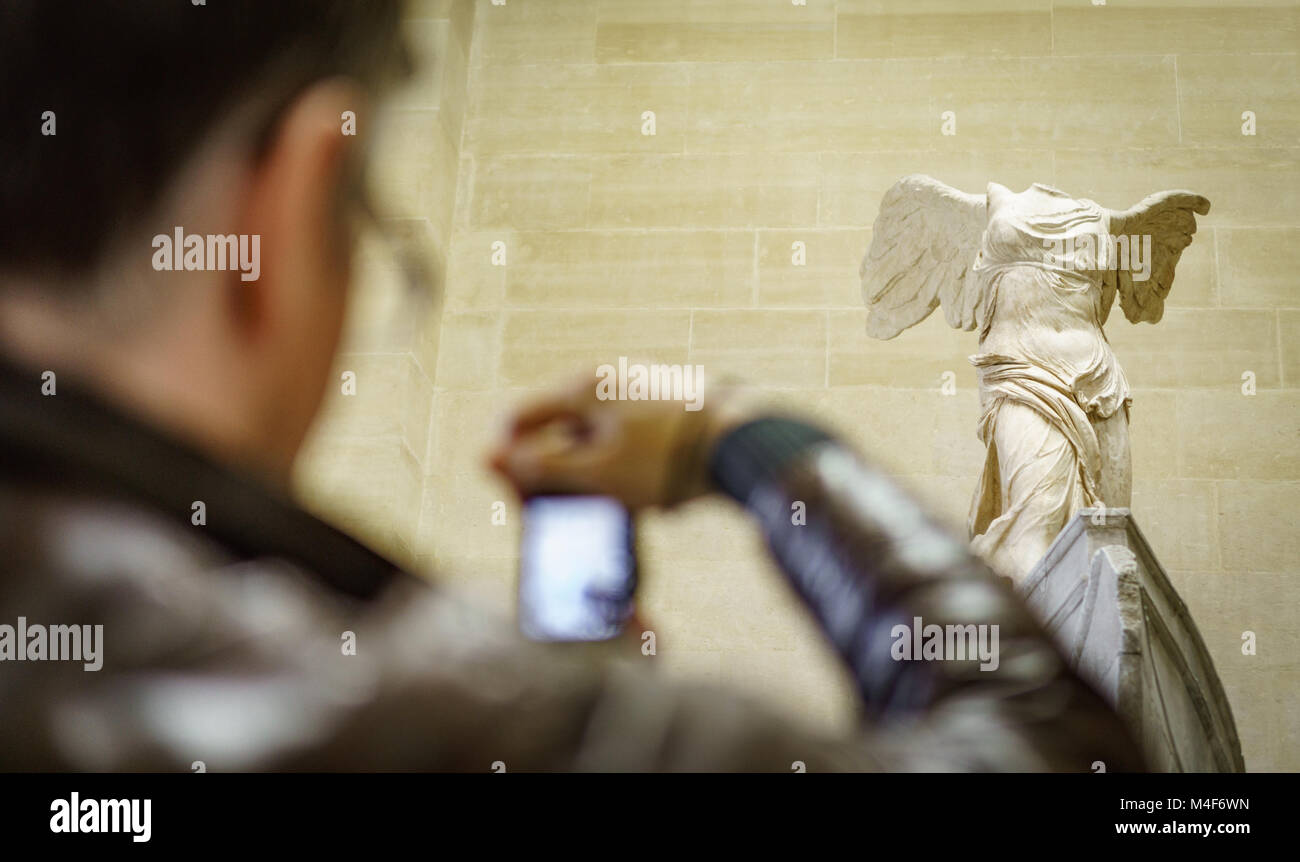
x=76, y=441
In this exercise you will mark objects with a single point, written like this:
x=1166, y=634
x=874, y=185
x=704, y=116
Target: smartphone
x=577, y=568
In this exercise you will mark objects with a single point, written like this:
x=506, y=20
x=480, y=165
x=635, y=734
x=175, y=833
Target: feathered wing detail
x=1169, y=218
x=922, y=246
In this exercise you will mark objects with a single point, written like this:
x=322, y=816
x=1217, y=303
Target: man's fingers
x=548, y=462
x=568, y=403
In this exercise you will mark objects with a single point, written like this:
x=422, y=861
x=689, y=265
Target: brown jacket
x=222, y=642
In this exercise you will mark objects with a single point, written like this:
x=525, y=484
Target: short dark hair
x=135, y=86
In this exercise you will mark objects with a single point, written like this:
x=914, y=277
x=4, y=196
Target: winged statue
x=1036, y=273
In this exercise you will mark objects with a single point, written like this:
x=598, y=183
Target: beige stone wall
x=779, y=123
x=365, y=464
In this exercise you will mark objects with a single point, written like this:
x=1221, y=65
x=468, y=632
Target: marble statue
x=1036, y=273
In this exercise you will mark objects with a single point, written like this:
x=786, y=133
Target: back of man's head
x=145, y=144
x=105, y=99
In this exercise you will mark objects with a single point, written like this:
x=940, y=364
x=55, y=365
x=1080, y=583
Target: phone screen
x=577, y=573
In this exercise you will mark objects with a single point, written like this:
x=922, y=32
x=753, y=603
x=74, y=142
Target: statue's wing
x=1168, y=218
x=922, y=246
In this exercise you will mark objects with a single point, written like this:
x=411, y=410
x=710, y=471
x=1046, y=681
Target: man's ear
x=294, y=201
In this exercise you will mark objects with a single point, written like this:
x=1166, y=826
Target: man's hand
x=644, y=453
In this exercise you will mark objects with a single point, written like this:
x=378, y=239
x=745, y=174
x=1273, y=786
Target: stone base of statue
x=1108, y=602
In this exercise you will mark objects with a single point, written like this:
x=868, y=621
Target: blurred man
x=159, y=361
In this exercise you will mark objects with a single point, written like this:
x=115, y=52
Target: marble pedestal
x=1104, y=596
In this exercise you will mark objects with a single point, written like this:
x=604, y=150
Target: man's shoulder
x=81, y=535
x=87, y=550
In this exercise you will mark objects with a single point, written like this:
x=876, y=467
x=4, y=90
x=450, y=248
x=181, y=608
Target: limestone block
x=802, y=268
x=1260, y=267
x=630, y=31
x=943, y=28
x=541, y=347
x=1174, y=26
x=1214, y=92
x=771, y=348
x=628, y=269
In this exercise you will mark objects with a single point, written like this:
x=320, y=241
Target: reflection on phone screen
x=577, y=568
